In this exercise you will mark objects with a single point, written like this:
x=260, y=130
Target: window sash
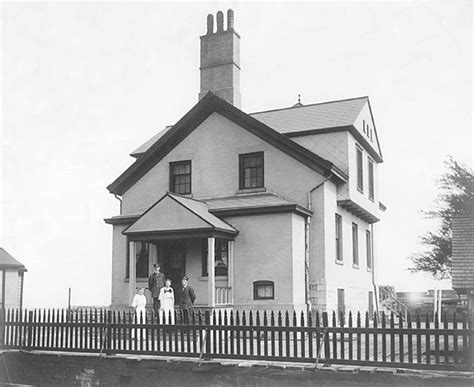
x=360, y=171
x=221, y=252
x=251, y=170
x=338, y=223
x=355, y=244
x=264, y=290
x=371, y=179
x=180, y=177
x=368, y=241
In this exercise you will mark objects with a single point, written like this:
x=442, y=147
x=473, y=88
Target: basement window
x=263, y=290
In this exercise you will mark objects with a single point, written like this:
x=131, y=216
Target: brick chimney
x=220, y=59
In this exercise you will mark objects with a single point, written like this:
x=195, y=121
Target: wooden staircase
x=389, y=303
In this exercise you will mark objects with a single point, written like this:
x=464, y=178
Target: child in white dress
x=167, y=302
x=139, y=303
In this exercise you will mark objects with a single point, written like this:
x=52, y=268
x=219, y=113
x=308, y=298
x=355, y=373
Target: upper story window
x=368, y=242
x=360, y=169
x=180, y=177
x=251, y=170
x=338, y=237
x=355, y=244
x=371, y=178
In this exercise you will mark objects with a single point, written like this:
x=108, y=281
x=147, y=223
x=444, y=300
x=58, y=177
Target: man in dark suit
x=155, y=282
x=186, y=299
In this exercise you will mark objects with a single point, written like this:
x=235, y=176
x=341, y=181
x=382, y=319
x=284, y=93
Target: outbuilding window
x=263, y=290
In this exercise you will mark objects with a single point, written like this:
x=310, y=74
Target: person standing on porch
x=186, y=299
x=156, y=281
x=167, y=302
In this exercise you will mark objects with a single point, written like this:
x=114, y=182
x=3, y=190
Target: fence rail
x=388, y=341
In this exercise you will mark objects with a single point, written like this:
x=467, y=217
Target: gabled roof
x=173, y=214
x=8, y=262
x=312, y=117
x=302, y=120
x=191, y=120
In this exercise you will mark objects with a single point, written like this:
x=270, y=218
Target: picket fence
x=388, y=341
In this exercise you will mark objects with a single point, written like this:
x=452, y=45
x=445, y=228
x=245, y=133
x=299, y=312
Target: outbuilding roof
x=8, y=262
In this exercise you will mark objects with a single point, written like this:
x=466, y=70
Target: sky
x=84, y=84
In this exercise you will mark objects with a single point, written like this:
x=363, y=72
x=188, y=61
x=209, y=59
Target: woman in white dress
x=167, y=302
x=139, y=303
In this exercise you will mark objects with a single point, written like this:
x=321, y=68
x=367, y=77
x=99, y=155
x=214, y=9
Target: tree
x=456, y=196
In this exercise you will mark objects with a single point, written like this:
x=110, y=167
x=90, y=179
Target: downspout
x=306, y=256
x=120, y=200
x=376, y=294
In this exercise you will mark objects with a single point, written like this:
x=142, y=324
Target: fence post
x=108, y=331
x=326, y=336
x=29, y=333
x=2, y=326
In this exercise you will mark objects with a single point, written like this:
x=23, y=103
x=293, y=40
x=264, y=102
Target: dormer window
x=180, y=177
x=251, y=170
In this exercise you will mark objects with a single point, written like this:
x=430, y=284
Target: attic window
x=363, y=126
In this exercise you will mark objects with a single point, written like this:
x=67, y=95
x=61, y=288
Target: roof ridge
x=312, y=104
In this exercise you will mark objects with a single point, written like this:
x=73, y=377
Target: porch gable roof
x=175, y=214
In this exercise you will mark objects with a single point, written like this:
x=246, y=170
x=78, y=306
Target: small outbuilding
x=11, y=281
x=463, y=258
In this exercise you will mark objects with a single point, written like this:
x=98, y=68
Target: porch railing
x=223, y=295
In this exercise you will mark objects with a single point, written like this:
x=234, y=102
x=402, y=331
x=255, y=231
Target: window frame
x=219, y=241
x=360, y=168
x=256, y=285
x=368, y=246
x=371, y=178
x=338, y=238
x=355, y=244
x=172, y=176
x=242, y=157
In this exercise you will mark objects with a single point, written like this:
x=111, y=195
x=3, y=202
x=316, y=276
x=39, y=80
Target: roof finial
x=298, y=104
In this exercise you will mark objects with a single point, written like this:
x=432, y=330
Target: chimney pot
x=220, y=21
x=210, y=24
x=230, y=19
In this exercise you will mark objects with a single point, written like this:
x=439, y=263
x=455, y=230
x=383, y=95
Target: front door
x=172, y=256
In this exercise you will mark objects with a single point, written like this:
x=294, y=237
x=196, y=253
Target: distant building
x=274, y=209
x=11, y=281
x=463, y=258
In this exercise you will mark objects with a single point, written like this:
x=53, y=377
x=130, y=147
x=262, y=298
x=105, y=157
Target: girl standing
x=167, y=302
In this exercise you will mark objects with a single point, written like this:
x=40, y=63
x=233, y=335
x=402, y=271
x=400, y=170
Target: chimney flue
x=210, y=24
x=220, y=21
x=230, y=20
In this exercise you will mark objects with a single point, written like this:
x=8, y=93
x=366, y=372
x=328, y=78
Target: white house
x=269, y=210
x=11, y=281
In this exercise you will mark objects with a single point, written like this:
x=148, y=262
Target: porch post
x=211, y=290
x=230, y=270
x=132, y=273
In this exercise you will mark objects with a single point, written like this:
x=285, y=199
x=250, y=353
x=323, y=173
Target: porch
x=185, y=239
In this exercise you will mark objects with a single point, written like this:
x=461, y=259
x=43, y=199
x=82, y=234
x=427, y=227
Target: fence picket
x=341, y=324
x=400, y=339
x=359, y=337
x=272, y=323
x=334, y=336
x=265, y=334
x=410, y=339
x=287, y=332
x=367, y=337
x=237, y=322
x=446, y=339
x=418, y=338
x=384, y=338
x=280, y=335
x=427, y=339
x=436, y=325
x=376, y=341
x=350, y=336
x=455, y=338
x=295, y=336
x=392, y=338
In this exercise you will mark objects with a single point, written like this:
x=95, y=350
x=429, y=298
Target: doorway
x=172, y=258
